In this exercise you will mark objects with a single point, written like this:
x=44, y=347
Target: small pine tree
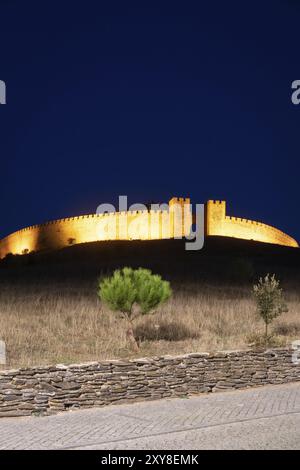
x=269, y=300
x=129, y=287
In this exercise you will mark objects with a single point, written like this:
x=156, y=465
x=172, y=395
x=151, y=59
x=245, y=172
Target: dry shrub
x=259, y=340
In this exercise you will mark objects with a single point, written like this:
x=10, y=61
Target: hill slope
x=221, y=259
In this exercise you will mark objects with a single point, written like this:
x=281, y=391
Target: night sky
x=149, y=99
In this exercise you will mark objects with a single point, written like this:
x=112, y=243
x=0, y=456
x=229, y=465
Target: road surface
x=260, y=418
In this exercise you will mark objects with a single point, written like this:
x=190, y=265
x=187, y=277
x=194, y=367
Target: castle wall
x=139, y=225
x=131, y=225
x=218, y=223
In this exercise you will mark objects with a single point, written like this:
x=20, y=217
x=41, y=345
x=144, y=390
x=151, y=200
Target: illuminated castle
x=139, y=225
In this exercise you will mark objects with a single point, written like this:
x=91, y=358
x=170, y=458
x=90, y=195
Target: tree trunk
x=131, y=339
x=266, y=333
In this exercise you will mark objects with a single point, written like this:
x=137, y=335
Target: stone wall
x=131, y=225
x=139, y=225
x=50, y=389
x=220, y=224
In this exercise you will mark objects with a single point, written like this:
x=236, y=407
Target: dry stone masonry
x=46, y=390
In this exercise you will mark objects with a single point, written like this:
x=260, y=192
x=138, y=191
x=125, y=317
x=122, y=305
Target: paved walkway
x=261, y=418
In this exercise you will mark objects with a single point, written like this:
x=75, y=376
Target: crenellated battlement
x=146, y=224
x=217, y=202
x=179, y=201
x=220, y=224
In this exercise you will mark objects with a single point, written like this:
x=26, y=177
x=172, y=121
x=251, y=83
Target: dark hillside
x=221, y=260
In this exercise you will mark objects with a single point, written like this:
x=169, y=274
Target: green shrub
x=133, y=292
x=269, y=300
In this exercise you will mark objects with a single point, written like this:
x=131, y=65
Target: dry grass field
x=49, y=316
x=65, y=324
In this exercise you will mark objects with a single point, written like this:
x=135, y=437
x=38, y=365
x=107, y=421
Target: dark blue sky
x=149, y=99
